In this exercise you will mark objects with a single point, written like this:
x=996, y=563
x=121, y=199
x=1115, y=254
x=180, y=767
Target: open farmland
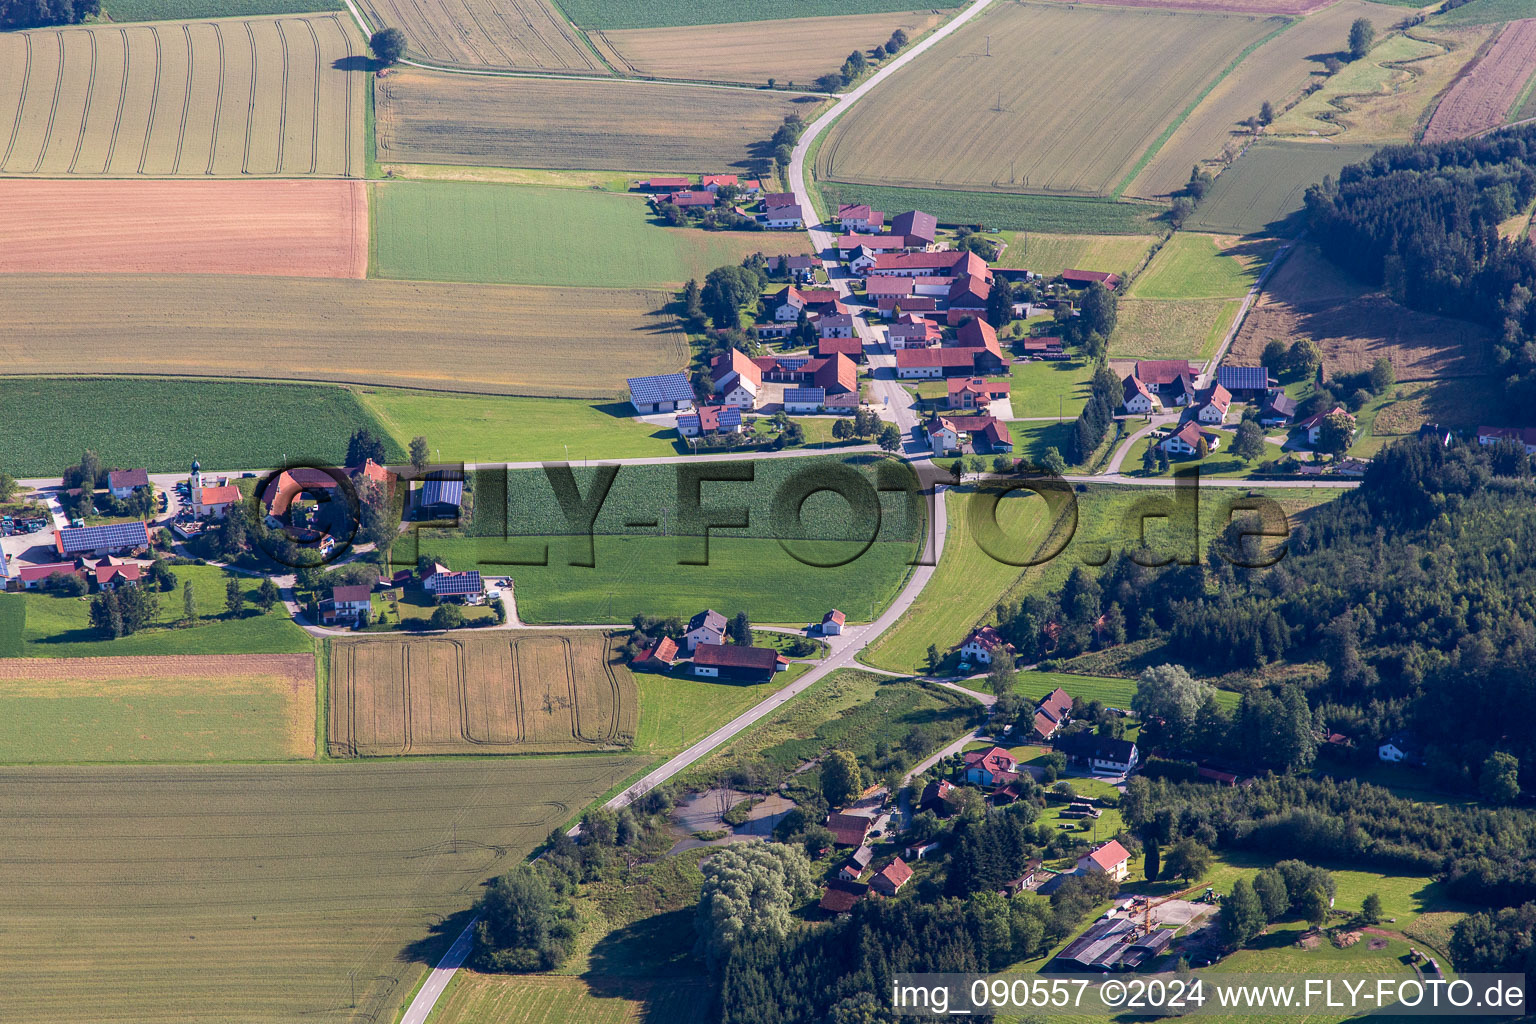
x=1203, y=267
x=790, y=50
x=474, y=998
x=170, y=708
x=621, y=14
x=497, y=339
x=215, y=421
x=529, y=122
x=458, y=231
x=1484, y=95
x=1266, y=185
x=1050, y=254
x=1280, y=7
x=1171, y=328
x=1485, y=12
x=1278, y=71
x=259, y=893
x=506, y=693
x=1091, y=89
x=526, y=35
x=291, y=228
x=178, y=10
x=1307, y=297
x=1062, y=215
x=258, y=96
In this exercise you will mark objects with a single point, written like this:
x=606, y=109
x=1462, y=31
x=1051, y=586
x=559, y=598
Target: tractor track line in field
x=122, y=98
x=58, y=87
x=186, y=99
x=85, y=113
x=282, y=105
x=314, y=117
x=468, y=38
x=218, y=102
x=250, y=108
x=21, y=100
x=349, y=90
x=154, y=99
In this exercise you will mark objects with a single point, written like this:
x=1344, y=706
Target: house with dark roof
x=707, y=627
x=891, y=305
x=663, y=392
x=1137, y=399
x=121, y=483
x=689, y=199
x=440, y=496
x=777, y=200
x=889, y=879
x=913, y=331
x=802, y=401
x=1279, y=409
x=799, y=268
x=841, y=895
x=783, y=218
x=835, y=325
x=1248, y=383
x=849, y=347
x=1402, y=747
x=112, y=539
x=744, y=664
x=709, y=419
x=1523, y=436
x=917, y=227
x=848, y=829
x=857, y=863
x=1099, y=753
x=859, y=217
x=942, y=798
x=443, y=582
x=1083, y=278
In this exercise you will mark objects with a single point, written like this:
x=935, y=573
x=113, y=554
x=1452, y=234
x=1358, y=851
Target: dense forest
x=1414, y=596
x=1422, y=223
x=32, y=13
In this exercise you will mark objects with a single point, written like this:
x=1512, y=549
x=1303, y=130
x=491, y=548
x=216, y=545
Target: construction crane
x=1146, y=913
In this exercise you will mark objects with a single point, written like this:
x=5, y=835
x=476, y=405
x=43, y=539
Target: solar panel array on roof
x=804, y=396
x=94, y=538
x=467, y=582
x=665, y=387
x=792, y=362
x=1242, y=378
x=437, y=490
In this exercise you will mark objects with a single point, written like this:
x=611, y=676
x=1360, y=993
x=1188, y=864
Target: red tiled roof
x=719, y=179
x=836, y=374
x=994, y=760
x=978, y=334
x=738, y=361
x=839, y=900
x=667, y=182
x=987, y=637
x=969, y=291
x=1133, y=386
x=32, y=573
x=1108, y=280
x=348, y=594
x=848, y=829
x=226, y=495
x=897, y=873
x=370, y=470
x=128, y=478
x=732, y=656
x=911, y=358
x=1163, y=371
x=691, y=198
x=1109, y=855
x=875, y=287
x=663, y=650
x=776, y=199
x=853, y=241
x=921, y=303
x=835, y=616
x=915, y=223
x=895, y=262
x=1057, y=703
x=849, y=347
x=854, y=211
x=1045, y=725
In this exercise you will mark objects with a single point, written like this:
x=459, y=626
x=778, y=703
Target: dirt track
x=1483, y=96
x=270, y=228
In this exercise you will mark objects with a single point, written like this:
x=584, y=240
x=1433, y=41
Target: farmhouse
x=856, y=248
x=982, y=644
x=836, y=325
x=111, y=573
x=789, y=302
x=707, y=627
x=1083, y=278
x=934, y=363
x=848, y=829
x=440, y=496
x=1052, y=713
x=1106, y=859
x=1139, y=399
x=1249, y=383
x=832, y=623
x=737, y=379
x=661, y=654
x=967, y=297
x=121, y=483
x=1313, y=424
x=859, y=217
x=666, y=392
x=892, y=305
x=975, y=392
x=1213, y=403
x=883, y=287
x=746, y=664
x=113, y=539
x=783, y=217
x=710, y=419
x=665, y=184
x=978, y=334
x=848, y=347
x=982, y=767
x=889, y=879
x=1278, y=411
x=713, y=182
x=986, y=435
x=689, y=199
x=1171, y=380
x=1523, y=436
x=953, y=263
x=778, y=200
x=913, y=331
x=1099, y=753
x=32, y=577
x=347, y=604
x=917, y=227
x=1186, y=440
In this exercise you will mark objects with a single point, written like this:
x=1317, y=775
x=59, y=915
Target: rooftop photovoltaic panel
x=666, y=387
x=459, y=583
x=1242, y=378
x=795, y=396
x=114, y=535
x=438, y=491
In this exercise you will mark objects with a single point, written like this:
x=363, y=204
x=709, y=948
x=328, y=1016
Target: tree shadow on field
x=658, y=945
x=429, y=949
x=356, y=62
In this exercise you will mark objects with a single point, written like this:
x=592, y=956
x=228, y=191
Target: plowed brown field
x=1483, y=96
x=283, y=228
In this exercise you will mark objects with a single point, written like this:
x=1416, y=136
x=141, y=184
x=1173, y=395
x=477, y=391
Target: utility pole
x=989, y=44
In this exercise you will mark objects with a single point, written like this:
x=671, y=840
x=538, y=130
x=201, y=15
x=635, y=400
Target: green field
x=677, y=711
x=1112, y=692
x=1195, y=267
x=1265, y=186
x=259, y=893
x=162, y=424
x=59, y=627
x=640, y=574
x=1050, y=254
x=473, y=998
x=1055, y=214
x=186, y=10
x=13, y=624
x=484, y=428
x=660, y=13
x=1485, y=12
x=1171, y=328
x=1050, y=387
x=968, y=581
x=471, y=231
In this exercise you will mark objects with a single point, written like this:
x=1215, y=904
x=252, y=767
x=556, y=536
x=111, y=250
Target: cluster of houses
x=703, y=642
x=103, y=557
x=810, y=384
x=352, y=605
x=683, y=192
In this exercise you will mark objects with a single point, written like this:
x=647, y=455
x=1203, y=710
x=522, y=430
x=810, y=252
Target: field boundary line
x=122, y=98
x=85, y=113
x=21, y=98
x=461, y=662
x=578, y=727
x=218, y=103
x=1173, y=126
x=58, y=86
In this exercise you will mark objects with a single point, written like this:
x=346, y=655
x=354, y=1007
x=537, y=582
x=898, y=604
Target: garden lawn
x=513, y=234
x=486, y=428
x=1045, y=387
x=967, y=583
x=1221, y=463
x=1203, y=267
x=60, y=627
x=163, y=424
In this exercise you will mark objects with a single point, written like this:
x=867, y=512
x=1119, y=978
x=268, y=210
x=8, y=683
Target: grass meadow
x=469, y=231
x=1047, y=387
x=1485, y=12
x=678, y=711
x=1203, y=267
x=1112, y=692
x=474, y=998
x=1050, y=254
x=1266, y=185
x=1062, y=215
x=163, y=424
x=59, y=627
x=185, y=10
x=1171, y=328
x=260, y=893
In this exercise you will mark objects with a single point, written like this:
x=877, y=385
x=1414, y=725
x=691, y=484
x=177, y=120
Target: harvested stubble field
x=1050, y=254
x=1267, y=184
x=287, y=228
x=474, y=998
x=1093, y=88
x=507, y=693
x=1486, y=92
x=170, y=708
x=1310, y=298
x=607, y=14
x=532, y=122
x=789, y=50
x=257, y=96
x=1277, y=71
x=1171, y=328
x=497, y=339
x=259, y=893
x=526, y=35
